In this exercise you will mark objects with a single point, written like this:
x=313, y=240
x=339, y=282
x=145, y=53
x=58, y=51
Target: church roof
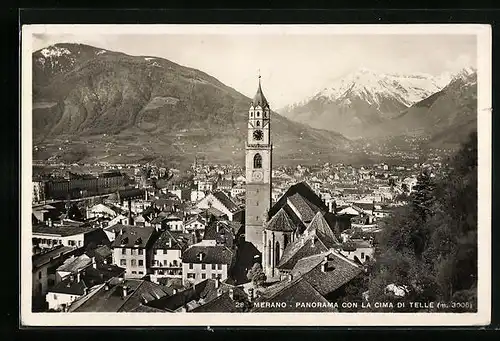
x=259, y=99
x=306, y=192
x=319, y=226
x=281, y=222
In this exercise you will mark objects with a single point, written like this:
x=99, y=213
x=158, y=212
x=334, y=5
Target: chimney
x=251, y=294
x=174, y=291
x=49, y=222
x=231, y=293
x=94, y=263
x=217, y=283
x=313, y=240
x=169, y=242
x=71, y=278
x=124, y=292
x=106, y=287
x=78, y=277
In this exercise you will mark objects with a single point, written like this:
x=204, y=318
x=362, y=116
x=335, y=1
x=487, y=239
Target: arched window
x=258, y=114
x=269, y=249
x=285, y=240
x=277, y=253
x=258, y=123
x=251, y=114
x=257, y=161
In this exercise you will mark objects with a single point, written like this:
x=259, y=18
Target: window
x=141, y=251
x=124, y=251
x=134, y=272
x=132, y=252
x=141, y=262
x=190, y=265
x=55, y=296
x=141, y=273
x=203, y=266
x=123, y=262
x=219, y=266
x=203, y=276
x=214, y=276
x=269, y=249
x=191, y=275
x=258, y=124
x=258, y=113
x=39, y=275
x=257, y=161
x=362, y=255
x=133, y=262
x=277, y=254
x=213, y=266
x=79, y=243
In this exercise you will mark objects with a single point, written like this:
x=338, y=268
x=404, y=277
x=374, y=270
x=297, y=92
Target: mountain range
x=370, y=104
x=92, y=104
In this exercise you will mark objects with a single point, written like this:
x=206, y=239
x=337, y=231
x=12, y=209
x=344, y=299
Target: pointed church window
x=257, y=161
x=258, y=123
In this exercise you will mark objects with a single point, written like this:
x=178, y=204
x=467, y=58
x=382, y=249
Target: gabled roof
x=292, y=293
x=303, y=189
x=305, y=208
x=62, y=231
x=74, y=264
x=299, y=249
x=168, y=241
x=319, y=226
x=131, y=236
x=342, y=270
x=211, y=254
x=70, y=287
x=226, y=201
x=202, y=292
x=111, y=300
x=280, y=222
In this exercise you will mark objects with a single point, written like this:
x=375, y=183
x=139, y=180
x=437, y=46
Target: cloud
x=462, y=61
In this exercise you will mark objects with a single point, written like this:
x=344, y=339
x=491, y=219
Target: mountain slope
x=91, y=104
x=361, y=99
x=447, y=116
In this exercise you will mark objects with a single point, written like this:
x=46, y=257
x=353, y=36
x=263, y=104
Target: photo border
x=484, y=98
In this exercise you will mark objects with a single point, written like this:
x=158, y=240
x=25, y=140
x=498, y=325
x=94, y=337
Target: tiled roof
x=131, y=193
x=323, y=231
x=259, y=99
x=220, y=304
x=280, y=222
x=364, y=205
x=342, y=271
x=111, y=300
x=71, y=287
x=211, y=254
x=131, y=236
x=61, y=231
x=305, y=192
x=305, y=209
x=293, y=297
x=226, y=201
x=74, y=264
x=170, y=241
x=202, y=292
x=100, y=253
x=299, y=249
x=44, y=258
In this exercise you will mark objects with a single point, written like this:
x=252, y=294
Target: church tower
x=258, y=164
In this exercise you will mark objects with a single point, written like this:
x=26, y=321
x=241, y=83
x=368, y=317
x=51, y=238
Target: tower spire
x=259, y=98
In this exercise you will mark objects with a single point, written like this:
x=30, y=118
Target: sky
x=292, y=66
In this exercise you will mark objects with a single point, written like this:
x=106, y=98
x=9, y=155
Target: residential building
x=222, y=202
x=167, y=254
x=206, y=260
x=132, y=249
x=71, y=235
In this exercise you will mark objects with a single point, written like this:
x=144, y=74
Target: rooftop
x=47, y=256
x=61, y=231
x=131, y=236
x=209, y=254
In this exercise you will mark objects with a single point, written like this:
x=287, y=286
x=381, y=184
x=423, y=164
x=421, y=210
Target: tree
x=430, y=246
x=256, y=274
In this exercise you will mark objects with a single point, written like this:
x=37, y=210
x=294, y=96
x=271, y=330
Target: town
x=211, y=238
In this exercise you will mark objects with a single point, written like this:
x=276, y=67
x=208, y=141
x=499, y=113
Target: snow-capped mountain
x=365, y=98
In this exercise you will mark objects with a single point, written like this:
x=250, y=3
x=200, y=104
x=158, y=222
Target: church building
x=258, y=164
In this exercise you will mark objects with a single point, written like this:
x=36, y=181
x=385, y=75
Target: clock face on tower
x=257, y=175
x=257, y=134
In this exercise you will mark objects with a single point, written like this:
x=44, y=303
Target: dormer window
x=201, y=256
x=124, y=241
x=138, y=241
